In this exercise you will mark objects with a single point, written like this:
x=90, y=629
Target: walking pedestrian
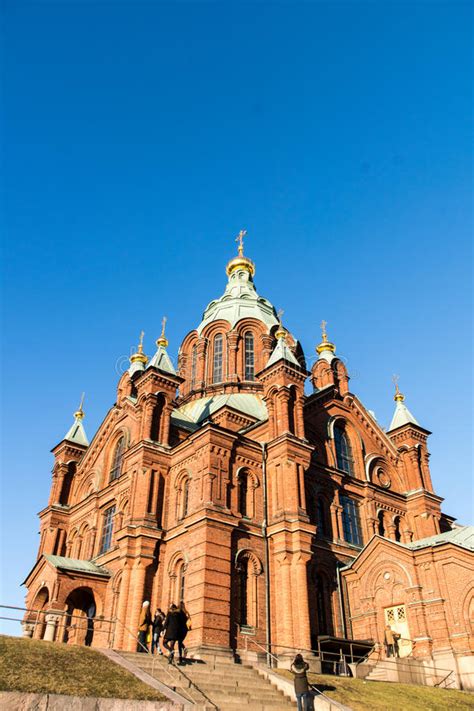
x=157, y=626
x=173, y=633
x=389, y=641
x=299, y=668
x=185, y=625
x=143, y=627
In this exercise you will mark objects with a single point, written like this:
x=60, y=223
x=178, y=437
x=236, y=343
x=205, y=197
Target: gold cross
x=395, y=379
x=82, y=402
x=280, y=313
x=323, y=329
x=140, y=342
x=163, y=325
x=240, y=240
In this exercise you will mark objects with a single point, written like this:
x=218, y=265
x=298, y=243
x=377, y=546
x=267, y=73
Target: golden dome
x=240, y=262
x=139, y=356
x=325, y=345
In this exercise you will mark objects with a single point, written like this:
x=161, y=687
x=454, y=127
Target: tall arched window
x=321, y=604
x=156, y=417
x=249, y=353
x=181, y=582
x=185, y=498
x=116, y=468
x=218, y=356
x=351, y=521
x=396, y=522
x=243, y=492
x=67, y=483
x=243, y=591
x=381, y=523
x=343, y=450
x=322, y=529
x=107, y=529
x=193, y=366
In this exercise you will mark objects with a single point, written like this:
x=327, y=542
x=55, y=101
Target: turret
x=328, y=369
x=411, y=439
x=283, y=379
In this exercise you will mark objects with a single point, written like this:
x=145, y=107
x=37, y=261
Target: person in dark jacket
x=158, y=621
x=173, y=633
x=143, y=627
x=185, y=624
x=299, y=668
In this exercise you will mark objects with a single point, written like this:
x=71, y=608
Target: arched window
x=249, y=353
x=107, y=530
x=243, y=591
x=193, y=366
x=156, y=417
x=116, y=468
x=185, y=498
x=67, y=483
x=322, y=604
x=381, y=524
x=181, y=582
x=243, y=492
x=322, y=529
x=351, y=521
x=218, y=355
x=344, y=458
x=396, y=522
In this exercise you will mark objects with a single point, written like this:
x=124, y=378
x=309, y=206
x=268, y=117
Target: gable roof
x=282, y=352
x=76, y=565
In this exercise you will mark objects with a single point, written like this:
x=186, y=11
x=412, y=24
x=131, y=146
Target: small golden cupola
x=138, y=360
x=241, y=262
x=325, y=349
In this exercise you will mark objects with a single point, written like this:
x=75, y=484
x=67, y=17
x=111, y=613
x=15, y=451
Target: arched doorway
x=81, y=610
x=36, y=617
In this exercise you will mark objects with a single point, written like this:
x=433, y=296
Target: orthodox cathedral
x=284, y=520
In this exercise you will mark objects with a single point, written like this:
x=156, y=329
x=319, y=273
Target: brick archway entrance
x=81, y=611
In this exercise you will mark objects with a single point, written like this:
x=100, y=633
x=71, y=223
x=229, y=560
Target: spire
x=402, y=415
x=326, y=349
x=240, y=262
x=281, y=350
x=161, y=359
x=162, y=340
x=281, y=331
x=138, y=360
x=77, y=433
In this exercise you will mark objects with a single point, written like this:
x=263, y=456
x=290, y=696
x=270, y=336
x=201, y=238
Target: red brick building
x=223, y=483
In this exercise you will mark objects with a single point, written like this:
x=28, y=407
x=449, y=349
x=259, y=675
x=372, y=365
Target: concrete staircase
x=214, y=683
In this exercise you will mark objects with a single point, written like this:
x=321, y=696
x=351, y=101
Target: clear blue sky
x=138, y=138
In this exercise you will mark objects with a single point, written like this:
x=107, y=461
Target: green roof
x=197, y=411
x=78, y=566
x=462, y=536
x=240, y=300
x=282, y=352
x=77, y=433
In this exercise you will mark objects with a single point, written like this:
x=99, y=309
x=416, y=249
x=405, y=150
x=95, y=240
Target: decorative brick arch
x=379, y=569
x=177, y=567
x=252, y=482
x=182, y=490
x=249, y=569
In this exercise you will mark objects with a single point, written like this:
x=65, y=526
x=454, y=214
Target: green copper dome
x=240, y=300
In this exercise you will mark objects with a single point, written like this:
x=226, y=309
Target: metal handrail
x=178, y=669
x=113, y=622
x=58, y=613
x=313, y=686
